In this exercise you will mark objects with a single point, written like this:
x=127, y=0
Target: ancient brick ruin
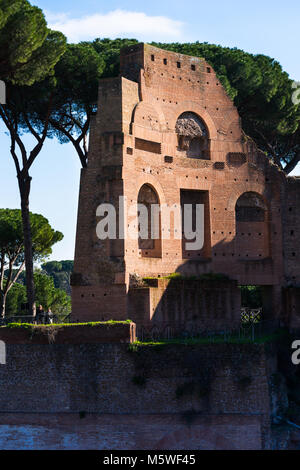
x=167, y=133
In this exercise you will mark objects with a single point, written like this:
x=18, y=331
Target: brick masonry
x=103, y=396
x=252, y=220
x=69, y=334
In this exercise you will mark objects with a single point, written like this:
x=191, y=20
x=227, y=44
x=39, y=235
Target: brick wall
x=178, y=397
x=69, y=334
x=188, y=304
x=134, y=142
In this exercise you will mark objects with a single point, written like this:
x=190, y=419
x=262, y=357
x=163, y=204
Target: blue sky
x=268, y=27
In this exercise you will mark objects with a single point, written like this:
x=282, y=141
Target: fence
x=31, y=319
x=17, y=319
x=252, y=315
x=251, y=328
x=246, y=331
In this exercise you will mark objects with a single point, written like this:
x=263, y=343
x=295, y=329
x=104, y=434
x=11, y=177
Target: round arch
x=152, y=109
x=248, y=187
x=250, y=207
x=192, y=107
x=192, y=135
x=252, y=239
x=149, y=221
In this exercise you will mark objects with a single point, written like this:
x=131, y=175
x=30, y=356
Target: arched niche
x=193, y=137
x=149, y=222
x=252, y=226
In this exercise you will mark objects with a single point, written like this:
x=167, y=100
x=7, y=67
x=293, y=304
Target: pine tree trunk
x=24, y=185
x=2, y=306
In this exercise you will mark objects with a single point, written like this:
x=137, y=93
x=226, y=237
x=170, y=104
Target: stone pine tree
x=74, y=104
x=29, y=52
x=77, y=75
x=12, y=247
x=61, y=272
x=28, y=49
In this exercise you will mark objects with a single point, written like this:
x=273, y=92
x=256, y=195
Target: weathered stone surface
x=89, y=396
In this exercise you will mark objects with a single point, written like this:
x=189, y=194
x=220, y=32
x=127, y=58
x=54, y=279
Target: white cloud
x=55, y=17
x=117, y=23
x=296, y=171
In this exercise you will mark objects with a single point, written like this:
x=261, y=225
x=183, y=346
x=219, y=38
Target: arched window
x=252, y=226
x=149, y=222
x=192, y=136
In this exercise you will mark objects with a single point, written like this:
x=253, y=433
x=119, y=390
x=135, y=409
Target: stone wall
x=291, y=219
x=117, y=332
x=107, y=397
x=139, y=137
x=205, y=305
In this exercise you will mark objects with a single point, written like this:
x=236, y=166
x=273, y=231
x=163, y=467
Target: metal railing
x=168, y=331
x=17, y=319
x=32, y=319
x=251, y=328
x=249, y=314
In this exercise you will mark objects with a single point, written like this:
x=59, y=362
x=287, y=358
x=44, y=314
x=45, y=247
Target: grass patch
x=31, y=326
x=184, y=277
x=217, y=339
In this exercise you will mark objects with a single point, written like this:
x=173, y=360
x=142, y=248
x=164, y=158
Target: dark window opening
x=149, y=226
x=192, y=198
x=192, y=136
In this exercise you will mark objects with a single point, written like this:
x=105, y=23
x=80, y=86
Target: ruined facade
x=167, y=133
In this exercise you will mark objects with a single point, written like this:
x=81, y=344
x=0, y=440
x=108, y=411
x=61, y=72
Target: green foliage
x=8, y=8
x=75, y=96
x=29, y=50
x=15, y=298
x=11, y=231
x=251, y=296
x=12, y=253
x=216, y=339
x=175, y=276
x=109, y=50
x=95, y=324
x=12, y=238
x=52, y=267
x=79, y=65
x=43, y=236
x=184, y=277
x=60, y=271
x=48, y=296
x=28, y=53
